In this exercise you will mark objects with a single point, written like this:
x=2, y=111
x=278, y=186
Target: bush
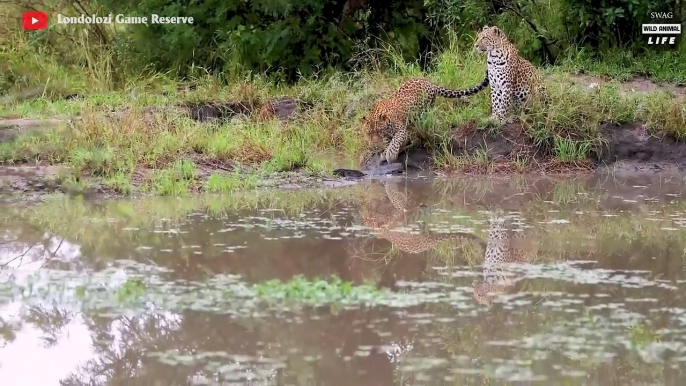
x=289, y=39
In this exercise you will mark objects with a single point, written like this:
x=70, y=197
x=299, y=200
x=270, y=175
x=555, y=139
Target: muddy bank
x=624, y=149
x=281, y=109
x=628, y=148
x=10, y=129
x=24, y=182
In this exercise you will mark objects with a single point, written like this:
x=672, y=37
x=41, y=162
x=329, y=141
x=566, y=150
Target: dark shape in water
x=348, y=173
x=380, y=170
x=415, y=158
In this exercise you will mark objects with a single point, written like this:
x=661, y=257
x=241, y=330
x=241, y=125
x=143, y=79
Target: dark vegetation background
x=289, y=39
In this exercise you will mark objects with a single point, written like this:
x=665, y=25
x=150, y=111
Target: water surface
x=563, y=281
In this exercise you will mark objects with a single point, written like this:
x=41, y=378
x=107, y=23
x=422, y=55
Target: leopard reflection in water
x=504, y=245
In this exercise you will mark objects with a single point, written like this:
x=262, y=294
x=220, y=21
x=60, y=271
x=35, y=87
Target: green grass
x=569, y=151
x=333, y=290
x=116, y=149
x=228, y=182
x=621, y=65
x=175, y=180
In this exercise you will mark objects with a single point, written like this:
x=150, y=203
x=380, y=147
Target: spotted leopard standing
x=504, y=246
x=386, y=125
x=513, y=79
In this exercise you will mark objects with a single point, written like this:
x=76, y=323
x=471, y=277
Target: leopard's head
x=484, y=292
x=375, y=123
x=490, y=39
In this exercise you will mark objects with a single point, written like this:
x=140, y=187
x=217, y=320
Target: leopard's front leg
x=397, y=198
x=500, y=102
x=413, y=140
x=395, y=144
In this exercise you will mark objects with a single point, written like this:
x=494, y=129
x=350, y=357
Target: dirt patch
x=500, y=148
x=631, y=148
x=204, y=112
x=636, y=85
x=27, y=123
x=29, y=179
x=282, y=109
x=11, y=128
x=510, y=141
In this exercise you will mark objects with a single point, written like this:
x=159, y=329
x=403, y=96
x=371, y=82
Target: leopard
x=513, y=79
x=504, y=246
x=384, y=220
x=386, y=126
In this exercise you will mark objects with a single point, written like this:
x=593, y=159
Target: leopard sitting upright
x=386, y=125
x=513, y=79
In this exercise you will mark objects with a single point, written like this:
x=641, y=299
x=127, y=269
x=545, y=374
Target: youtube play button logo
x=34, y=20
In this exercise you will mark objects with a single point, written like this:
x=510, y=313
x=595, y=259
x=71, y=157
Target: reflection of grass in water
x=74, y=216
x=567, y=192
x=520, y=183
x=454, y=253
x=564, y=191
x=94, y=225
x=393, y=253
x=475, y=188
x=607, y=231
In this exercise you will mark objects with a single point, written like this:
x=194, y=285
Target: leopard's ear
x=497, y=30
x=363, y=119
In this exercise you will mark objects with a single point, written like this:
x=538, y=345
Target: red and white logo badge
x=34, y=20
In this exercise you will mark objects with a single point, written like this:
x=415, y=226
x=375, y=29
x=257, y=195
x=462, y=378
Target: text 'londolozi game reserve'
x=35, y=20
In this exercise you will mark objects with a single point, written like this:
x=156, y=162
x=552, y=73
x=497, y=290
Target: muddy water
x=454, y=282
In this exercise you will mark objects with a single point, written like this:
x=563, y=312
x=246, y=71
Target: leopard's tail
x=462, y=236
x=448, y=93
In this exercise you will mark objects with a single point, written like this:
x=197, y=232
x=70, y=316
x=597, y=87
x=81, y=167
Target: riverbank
x=166, y=138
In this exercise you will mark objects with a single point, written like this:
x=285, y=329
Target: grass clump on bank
x=140, y=143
